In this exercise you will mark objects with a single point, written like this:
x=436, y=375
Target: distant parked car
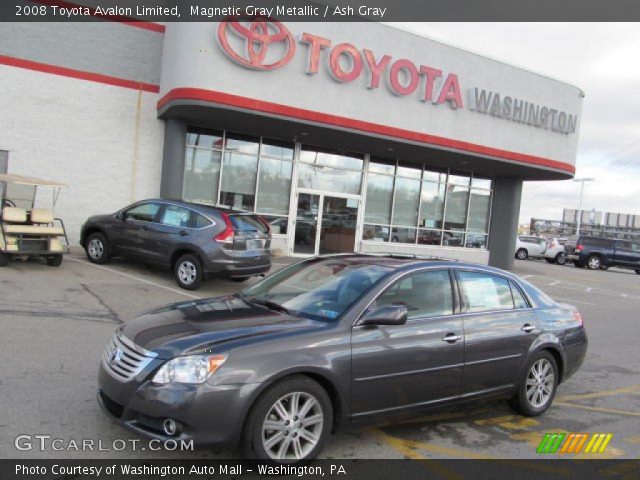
x=555, y=251
x=597, y=252
x=530, y=246
x=196, y=241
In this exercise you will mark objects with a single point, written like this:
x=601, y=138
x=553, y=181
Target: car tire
x=239, y=279
x=97, y=248
x=594, y=262
x=4, y=259
x=538, y=385
x=561, y=259
x=260, y=443
x=522, y=254
x=550, y=260
x=188, y=272
x=54, y=260
x=638, y=272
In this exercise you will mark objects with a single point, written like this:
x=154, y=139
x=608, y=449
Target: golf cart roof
x=20, y=179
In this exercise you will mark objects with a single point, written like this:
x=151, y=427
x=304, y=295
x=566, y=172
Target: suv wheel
x=54, y=260
x=594, y=262
x=522, y=254
x=188, y=272
x=538, y=385
x=561, y=259
x=289, y=423
x=97, y=248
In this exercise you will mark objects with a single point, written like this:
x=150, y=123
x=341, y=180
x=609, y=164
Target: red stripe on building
x=359, y=125
x=130, y=21
x=79, y=74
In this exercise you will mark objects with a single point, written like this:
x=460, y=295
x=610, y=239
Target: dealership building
x=345, y=136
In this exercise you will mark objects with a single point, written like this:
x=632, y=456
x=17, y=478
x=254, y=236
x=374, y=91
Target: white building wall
x=104, y=141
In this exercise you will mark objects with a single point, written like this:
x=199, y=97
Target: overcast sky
x=601, y=59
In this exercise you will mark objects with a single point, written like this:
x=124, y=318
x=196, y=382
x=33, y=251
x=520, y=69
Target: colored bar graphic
x=573, y=443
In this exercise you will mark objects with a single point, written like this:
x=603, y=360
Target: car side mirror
x=386, y=315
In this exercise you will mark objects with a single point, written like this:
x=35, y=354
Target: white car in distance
x=530, y=246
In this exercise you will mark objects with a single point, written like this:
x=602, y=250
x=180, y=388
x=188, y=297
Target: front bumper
x=210, y=415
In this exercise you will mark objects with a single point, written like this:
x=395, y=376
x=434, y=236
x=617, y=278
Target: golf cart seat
x=14, y=215
x=41, y=215
x=33, y=230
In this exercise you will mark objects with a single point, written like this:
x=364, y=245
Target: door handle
x=451, y=338
x=183, y=233
x=528, y=328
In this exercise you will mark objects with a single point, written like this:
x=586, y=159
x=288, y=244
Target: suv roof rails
x=414, y=256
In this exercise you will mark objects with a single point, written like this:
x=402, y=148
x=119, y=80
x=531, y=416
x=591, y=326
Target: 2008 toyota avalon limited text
x=278, y=367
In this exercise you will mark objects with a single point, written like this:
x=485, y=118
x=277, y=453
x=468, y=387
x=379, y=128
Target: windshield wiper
x=271, y=305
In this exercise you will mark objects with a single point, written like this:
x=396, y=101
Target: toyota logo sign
x=260, y=36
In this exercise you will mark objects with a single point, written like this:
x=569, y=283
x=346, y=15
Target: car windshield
x=322, y=289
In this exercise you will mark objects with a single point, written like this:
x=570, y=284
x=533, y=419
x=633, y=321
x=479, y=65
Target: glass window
x=329, y=179
x=204, y=138
x=410, y=171
x=479, y=181
x=382, y=166
x=518, y=297
x=239, y=180
x=453, y=239
x=429, y=237
x=376, y=233
x=425, y=294
x=476, y=240
x=406, y=201
x=274, y=148
x=175, y=216
x=145, y=212
x=242, y=143
x=274, y=186
x=330, y=158
x=200, y=221
x=485, y=292
x=479, y=211
x=435, y=175
x=432, y=205
x=403, y=235
x=201, y=175
x=379, y=199
x=455, y=215
x=461, y=179
x=278, y=225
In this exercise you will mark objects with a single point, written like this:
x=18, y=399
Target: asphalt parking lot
x=56, y=321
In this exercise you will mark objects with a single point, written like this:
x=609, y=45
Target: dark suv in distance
x=334, y=341
x=196, y=241
x=598, y=252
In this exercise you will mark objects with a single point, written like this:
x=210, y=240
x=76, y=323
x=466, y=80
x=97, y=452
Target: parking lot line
x=601, y=393
x=597, y=409
x=133, y=277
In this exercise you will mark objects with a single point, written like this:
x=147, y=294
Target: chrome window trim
x=165, y=202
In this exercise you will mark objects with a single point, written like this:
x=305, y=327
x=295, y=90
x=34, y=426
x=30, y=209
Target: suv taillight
x=578, y=248
x=226, y=236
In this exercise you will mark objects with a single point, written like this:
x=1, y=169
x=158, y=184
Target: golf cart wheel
x=4, y=259
x=54, y=260
x=97, y=248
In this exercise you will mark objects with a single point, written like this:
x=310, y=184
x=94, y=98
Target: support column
x=173, y=154
x=505, y=212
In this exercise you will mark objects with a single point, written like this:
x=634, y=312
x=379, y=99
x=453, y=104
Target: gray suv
x=196, y=241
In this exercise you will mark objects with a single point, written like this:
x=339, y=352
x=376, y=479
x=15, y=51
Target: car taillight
x=226, y=236
x=578, y=318
x=578, y=248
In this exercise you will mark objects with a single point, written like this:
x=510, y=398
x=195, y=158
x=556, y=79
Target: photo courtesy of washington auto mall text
x=359, y=239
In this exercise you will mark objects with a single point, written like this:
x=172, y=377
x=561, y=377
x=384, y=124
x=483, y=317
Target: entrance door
x=324, y=224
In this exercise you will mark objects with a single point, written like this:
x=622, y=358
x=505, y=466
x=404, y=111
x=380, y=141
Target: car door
x=499, y=328
x=128, y=233
x=624, y=254
x=420, y=362
x=160, y=238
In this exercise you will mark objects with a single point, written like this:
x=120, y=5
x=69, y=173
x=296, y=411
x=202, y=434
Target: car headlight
x=189, y=369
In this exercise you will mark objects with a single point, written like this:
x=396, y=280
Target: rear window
x=596, y=242
x=248, y=223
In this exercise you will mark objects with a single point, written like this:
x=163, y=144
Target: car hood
x=100, y=218
x=194, y=326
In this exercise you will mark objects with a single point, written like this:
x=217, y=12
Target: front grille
x=123, y=359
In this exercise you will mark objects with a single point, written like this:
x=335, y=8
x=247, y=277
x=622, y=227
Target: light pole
x=579, y=215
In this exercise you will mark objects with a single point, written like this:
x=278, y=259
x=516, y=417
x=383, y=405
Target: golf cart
x=26, y=231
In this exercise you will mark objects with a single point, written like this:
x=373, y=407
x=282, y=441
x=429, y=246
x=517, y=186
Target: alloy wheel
x=292, y=427
x=561, y=259
x=96, y=248
x=187, y=272
x=540, y=383
x=594, y=263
